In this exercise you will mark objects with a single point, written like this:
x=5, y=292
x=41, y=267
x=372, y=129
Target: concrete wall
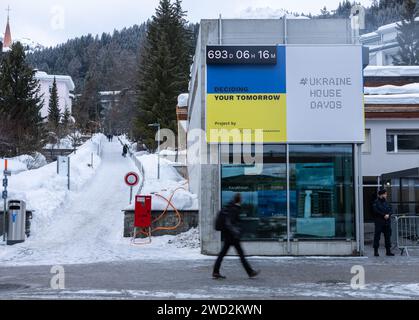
x=204, y=171
x=266, y=31
x=379, y=161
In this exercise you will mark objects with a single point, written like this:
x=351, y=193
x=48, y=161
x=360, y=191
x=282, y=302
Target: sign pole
x=68, y=175
x=5, y=199
x=131, y=179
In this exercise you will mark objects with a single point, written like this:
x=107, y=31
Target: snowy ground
x=86, y=225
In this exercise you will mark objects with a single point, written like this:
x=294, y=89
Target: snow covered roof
x=41, y=75
x=368, y=36
x=412, y=98
x=183, y=100
x=391, y=71
x=390, y=27
x=109, y=93
x=390, y=94
x=412, y=88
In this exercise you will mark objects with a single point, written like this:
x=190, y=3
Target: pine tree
x=20, y=103
x=89, y=105
x=164, y=72
x=408, y=37
x=324, y=13
x=66, y=120
x=54, y=114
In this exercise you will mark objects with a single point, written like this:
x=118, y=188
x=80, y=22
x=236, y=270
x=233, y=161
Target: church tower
x=7, y=41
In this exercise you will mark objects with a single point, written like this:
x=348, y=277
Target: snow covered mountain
x=30, y=45
x=267, y=13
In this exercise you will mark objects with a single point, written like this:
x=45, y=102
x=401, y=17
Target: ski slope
x=88, y=228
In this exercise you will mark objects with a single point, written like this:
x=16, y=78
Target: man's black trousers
x=228, y=242
x=379, y=229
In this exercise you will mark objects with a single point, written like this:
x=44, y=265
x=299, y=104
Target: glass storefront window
x=264, y=195
x=321, y=177
x=321, y=193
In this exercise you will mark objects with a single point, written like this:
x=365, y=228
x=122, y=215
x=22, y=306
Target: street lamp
x=157, y=125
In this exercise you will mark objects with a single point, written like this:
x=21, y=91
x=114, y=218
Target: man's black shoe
x=217, y=276
x=253, y=274
x=376, y=254
x=390, y=254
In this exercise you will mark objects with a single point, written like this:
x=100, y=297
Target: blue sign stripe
x=230, y=79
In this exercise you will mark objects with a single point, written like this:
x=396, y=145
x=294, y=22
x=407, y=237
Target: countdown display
x=242, y=55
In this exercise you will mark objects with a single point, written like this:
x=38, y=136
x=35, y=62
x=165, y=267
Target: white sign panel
x=63, y=165
x=325, y=94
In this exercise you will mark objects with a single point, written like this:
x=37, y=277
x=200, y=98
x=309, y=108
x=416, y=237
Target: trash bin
x=17, y=222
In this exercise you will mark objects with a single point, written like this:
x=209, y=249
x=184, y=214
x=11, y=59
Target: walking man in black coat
x=383, y=212
x=231, y=234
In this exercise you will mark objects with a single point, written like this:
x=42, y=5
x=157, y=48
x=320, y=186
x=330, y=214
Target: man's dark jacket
x=231, y=220
x=381, y=209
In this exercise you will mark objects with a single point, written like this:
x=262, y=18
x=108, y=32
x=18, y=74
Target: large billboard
x=294, y=94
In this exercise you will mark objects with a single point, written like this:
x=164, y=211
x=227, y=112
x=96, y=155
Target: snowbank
x=44, y=191
x=23, y=163
x=125, y=140
x=170, y=183
x=189, y=239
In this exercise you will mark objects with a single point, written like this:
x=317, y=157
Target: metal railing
x=406, y=232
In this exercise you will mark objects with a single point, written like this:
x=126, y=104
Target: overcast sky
x=50, y=22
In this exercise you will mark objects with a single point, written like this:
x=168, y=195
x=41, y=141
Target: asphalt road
x=281, y=278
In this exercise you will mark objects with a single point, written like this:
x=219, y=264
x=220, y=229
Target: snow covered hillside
x=86, y=225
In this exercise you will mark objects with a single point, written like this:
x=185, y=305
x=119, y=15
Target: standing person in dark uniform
x=231, y=233
x=383, y=212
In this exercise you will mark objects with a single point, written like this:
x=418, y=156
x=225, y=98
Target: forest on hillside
x=114, y=58
x=113, y=62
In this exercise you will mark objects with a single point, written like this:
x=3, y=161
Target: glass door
x=321, y=192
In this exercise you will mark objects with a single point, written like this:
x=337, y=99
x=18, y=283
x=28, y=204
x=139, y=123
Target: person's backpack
x=220, y=220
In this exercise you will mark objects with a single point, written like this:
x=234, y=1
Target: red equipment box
x=142, y=212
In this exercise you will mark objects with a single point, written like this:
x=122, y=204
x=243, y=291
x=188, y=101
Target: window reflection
x=321, y=193
x=264, y=195
x=322, y=178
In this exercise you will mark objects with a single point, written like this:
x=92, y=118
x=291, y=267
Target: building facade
x=390, y=155
x=305, y=199
x=382, y=44
x=65, y=87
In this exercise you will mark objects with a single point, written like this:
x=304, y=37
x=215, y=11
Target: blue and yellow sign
x=247, y=98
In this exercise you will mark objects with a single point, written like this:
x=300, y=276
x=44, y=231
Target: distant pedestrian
x=228, y=223
x=383, y=213
x=124, y=150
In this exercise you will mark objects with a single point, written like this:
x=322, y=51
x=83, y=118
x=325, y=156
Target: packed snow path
x=89, y=227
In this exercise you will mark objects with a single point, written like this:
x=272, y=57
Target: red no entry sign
x=132, y=179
